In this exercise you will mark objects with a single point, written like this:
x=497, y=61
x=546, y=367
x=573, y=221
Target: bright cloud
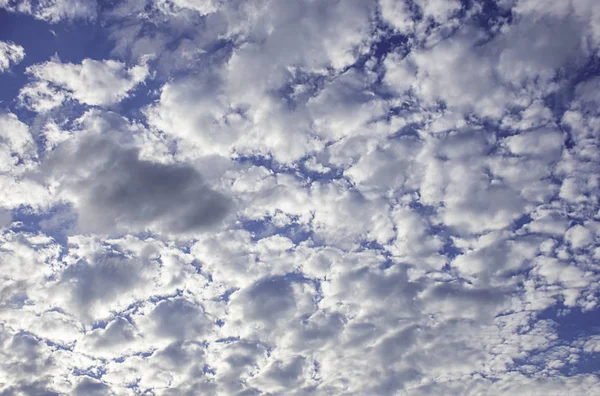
x=94, y=83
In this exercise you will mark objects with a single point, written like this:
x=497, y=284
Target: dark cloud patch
x=25, y=361
x=38, y=388
x=268, y=300
x=179, y=319
x=89, y=387
x=102, y=279
x=116, y=190
x=117, y=332
x=286, y=375
x=181, y=354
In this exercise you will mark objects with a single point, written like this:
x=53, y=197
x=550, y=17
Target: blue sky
x=370, y=197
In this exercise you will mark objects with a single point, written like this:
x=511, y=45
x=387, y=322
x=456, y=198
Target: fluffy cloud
x=93, y=82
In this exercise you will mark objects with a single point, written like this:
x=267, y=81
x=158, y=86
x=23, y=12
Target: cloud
x=10, y=55
x=203, y=7
x=227, y=109
x=90, y=386
x=100, y=281
x=406, y=16
x=17, y=147
x=54, y=11
x=114, y=190
x=179, y=319
x=93, y=82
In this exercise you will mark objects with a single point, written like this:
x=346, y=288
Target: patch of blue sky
x=265, y=228
x=573, y=323
x=96, y=372
x=571, y=326
x=56, y=223
x=298, y=169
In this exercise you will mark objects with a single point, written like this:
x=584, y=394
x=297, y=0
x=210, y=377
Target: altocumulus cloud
x=303, y=197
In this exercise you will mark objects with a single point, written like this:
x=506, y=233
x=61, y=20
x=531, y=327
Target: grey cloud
x=101, y=279
x=116, y=333
x=201, y=387
x=319, y=329
x=105, y=280
x=124, y=191
x=25, y=360
x=286, y=375
x=268, y=300
x=180, y=319
x=236, y=361
x=393, y=348
x=180, y=354
x=90, y=387
x=242, y=354
x=5, y=218
x=37, y=388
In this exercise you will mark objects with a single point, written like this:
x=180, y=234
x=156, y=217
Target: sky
x=299, y=197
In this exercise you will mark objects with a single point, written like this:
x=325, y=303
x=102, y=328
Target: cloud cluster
x=318, y=198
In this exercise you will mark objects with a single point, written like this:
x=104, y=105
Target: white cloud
x=17, y=148
x=93, y=82
x=203, y=7
x=54, y=10
x=18, y=157
x=10, y=55
x=226, y=110
x=579, y=236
